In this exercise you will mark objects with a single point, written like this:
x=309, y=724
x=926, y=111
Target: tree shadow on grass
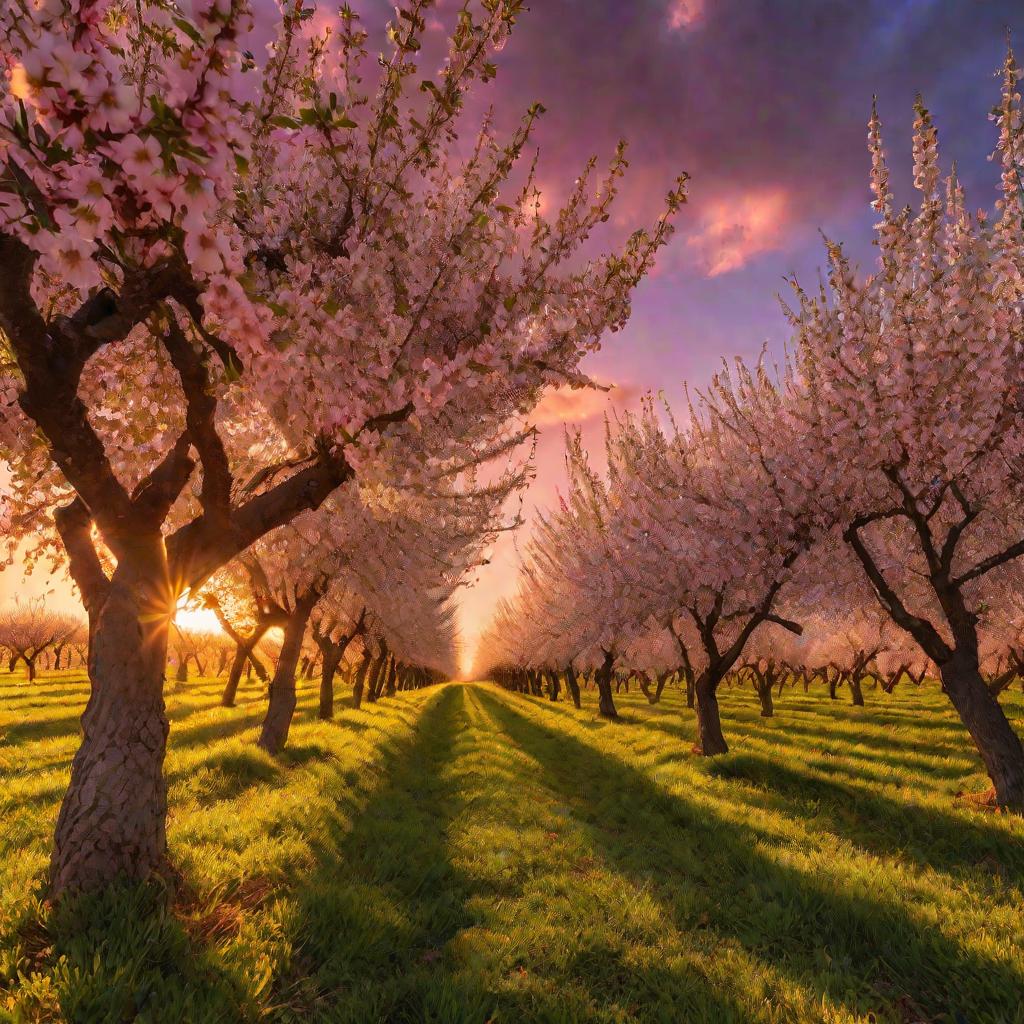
x=384, y=902
x=880, y=750
x=188, y=736
x=227, y=775
x=383, y=898
x=880, y=825
x=803, y=925
x=40, y=729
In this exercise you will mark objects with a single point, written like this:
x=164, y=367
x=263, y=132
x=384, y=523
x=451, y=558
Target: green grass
x=465, y=855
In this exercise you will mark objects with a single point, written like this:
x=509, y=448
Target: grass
x=465, y=855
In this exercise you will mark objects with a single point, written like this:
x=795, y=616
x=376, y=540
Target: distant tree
x=30, y=628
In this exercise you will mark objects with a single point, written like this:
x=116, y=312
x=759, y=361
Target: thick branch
x=74, y=524
x=200, y=548
x=155, y=495
x=990, y=563
x=920, y=629
x=793, y=627
x=200, y=417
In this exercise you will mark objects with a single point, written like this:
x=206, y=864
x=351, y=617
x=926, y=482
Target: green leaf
x=189, y=29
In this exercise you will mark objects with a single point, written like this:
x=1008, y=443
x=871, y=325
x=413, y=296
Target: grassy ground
x=465, y=855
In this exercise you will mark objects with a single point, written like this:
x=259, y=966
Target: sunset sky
x=765, y=104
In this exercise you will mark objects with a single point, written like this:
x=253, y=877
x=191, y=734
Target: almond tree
x=28, y=629
x=572, y=596
x=913, y=381
x=188, y=258
x=713, y=519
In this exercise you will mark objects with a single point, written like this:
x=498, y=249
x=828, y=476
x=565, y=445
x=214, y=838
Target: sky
x=765, y=104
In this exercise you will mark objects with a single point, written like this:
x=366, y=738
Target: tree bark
x=234, y=675
x=605, y=700
x=554, y=685
x=281, y=706
x=574, y=686
x=710, y=738
x=833, y=682
x=375, y=671
x=330, y=661
x=360, y=681
x=997, y=742
x=856, y=690
x=112, y=821
x=763, y=685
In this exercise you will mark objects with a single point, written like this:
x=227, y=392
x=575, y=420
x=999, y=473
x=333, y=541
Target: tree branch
x=74, y=524
x=200, y=416
x=920, y=629
x=990, y=563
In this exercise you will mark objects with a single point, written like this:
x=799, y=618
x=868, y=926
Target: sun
x=199, y=620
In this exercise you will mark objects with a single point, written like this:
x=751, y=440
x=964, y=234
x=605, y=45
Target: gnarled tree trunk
x=360, y=680
x=998, y=744
x=112, y=821
x=856, y=689
x=329, y=662
x=603, y=678
x=710, y=738
x=281, y=706
x=574, y=686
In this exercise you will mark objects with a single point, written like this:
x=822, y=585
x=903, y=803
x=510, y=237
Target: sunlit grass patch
x=463, y=855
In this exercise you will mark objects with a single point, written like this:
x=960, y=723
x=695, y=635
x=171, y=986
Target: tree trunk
x=182, y=674
x=856, y=690
x=389, y=684
x=238, y=662
x=763, y=686
x=574, y=687
x=691, y=694
x=999, y=746
x=554, y=686
x=31, y=664
x=281, y=706
x=710, y=739
x=375, y=670
x=659, y=688
x=112, y=821
x=603, y=678
x=330, y=661
x=360, y=682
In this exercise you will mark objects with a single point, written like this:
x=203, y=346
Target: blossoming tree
x=914, y=378
x=190, y=260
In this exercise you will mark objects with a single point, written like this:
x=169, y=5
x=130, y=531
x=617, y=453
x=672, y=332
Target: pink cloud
x=580, y=405
x=684, y=14
x=736, y=228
